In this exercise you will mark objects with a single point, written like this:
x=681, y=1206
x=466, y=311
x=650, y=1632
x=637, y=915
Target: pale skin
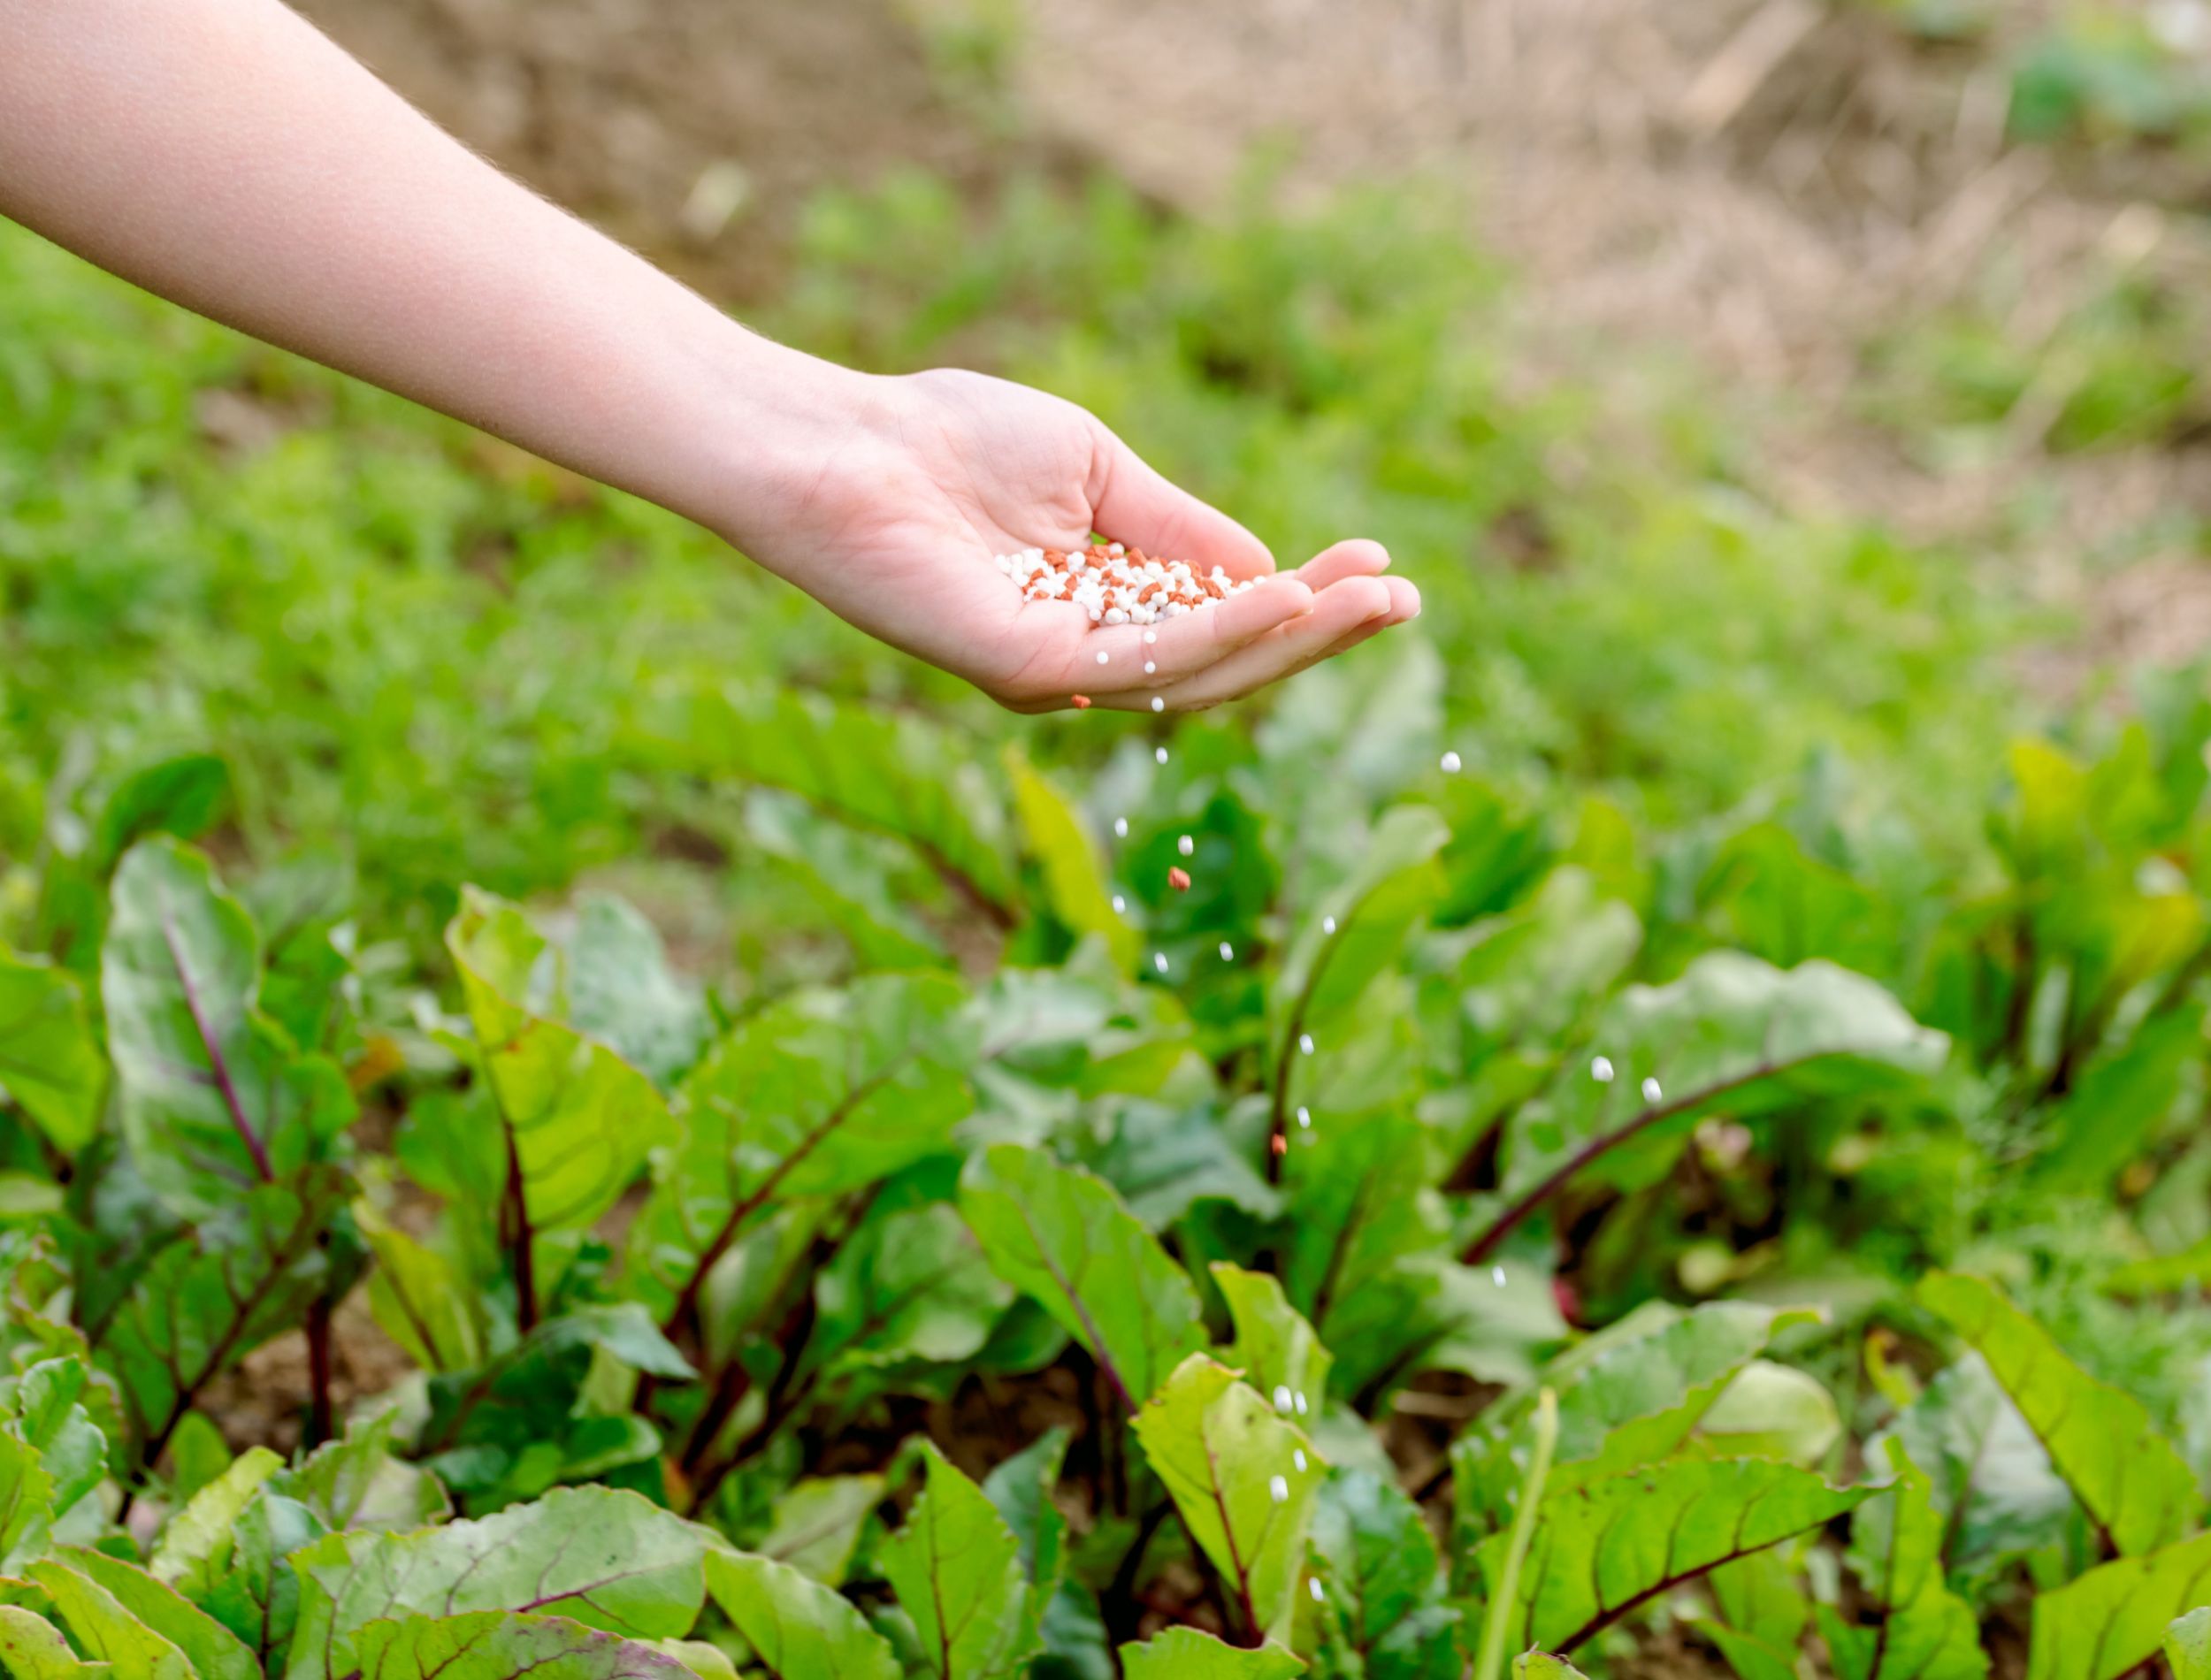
x=225, y=154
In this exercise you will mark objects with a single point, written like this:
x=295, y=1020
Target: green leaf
x=106, y=1631
x=607, y=1558
x=1733, y=1031
x=802, y=1630
x=196, y=1541
x=1243, y=1479
x=1602, y=1550
x=215, y=1098
x=1164, y=1159
x=1062, y=1236
x=1534, y=1665
x=420, y=1298
x=1991, y=1479
x=1357, y=1213
x=817, y=1095
x=1772, y=1411
x=255, y=1594
x=1020, y=1489
x=1275, y=1348
x=1074, y=883
x=1185, y=1653
x=1629, y=1401
x=26, y=1503
x=212, y=1650
x=817, y=1523
x=214, y=1294
x=43, y=1402
x=2114, y=1618
x=956, y=1568
x=50, y=1063
x=909, y=1285
x=577, y=1120
x=874, y=770
x=2135, y=1487
x=2188, y=1646
x=622, y=991
x=1395, y=883
x=1383, y=1572
x=181, y=796
x=1751, y=1658
x=491, y=1645
x=1923, y=1630
x=32, y=1648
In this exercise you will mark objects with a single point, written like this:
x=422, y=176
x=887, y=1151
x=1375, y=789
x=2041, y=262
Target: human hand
x=895, y=525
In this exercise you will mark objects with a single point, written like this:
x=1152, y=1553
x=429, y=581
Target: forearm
x=224, y=153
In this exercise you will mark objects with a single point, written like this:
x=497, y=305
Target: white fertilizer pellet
x=1279, y=1487
x=1298, y=1458
x=1159, y=960
x=1103, y=656
x=1328, y=924
x=1186, y=845
x=1121, y=828
x=1600, y=1069
x=1152, y=668
x=1651, y=1093
x=1282, y=1398
x=1228, y=952
x=1305, y=1043
x=1304, y=1119
x=1451, y=760
x=1121, y=906
x=1312, y=1583
x=1298, y=1400
x=1158, y=704
x=1158, y=755
x=1118, y=585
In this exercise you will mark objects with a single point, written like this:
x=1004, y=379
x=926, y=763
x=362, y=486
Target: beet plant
x=1489, y=1242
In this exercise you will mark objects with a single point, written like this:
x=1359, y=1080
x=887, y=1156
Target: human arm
x=225, y=154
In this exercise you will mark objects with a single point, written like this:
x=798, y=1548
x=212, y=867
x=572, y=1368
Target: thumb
x=1131, y=503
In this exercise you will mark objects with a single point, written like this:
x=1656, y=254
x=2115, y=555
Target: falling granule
x=1082, y=702
x=1278, y=1144
x=1121, y=828
x=1186, y=845
x=1601, y=1070
x=1151, y=636
x=1651, y=1093
x=1227, y=954
x=1121, y=906
x=1158, y=755
x=1305, y=1043
x=1299, y=1401
x=1304, y=1119
x=1159, y=960
x=1279, y=1486
x=1313, y=1583
x=1451, y=760
x=1158, y=704
x=1496, y=1276
x=1298, y=1458
x=1103, y=657
x=1328, y=924
x=1152, y=668
x=1282, y=1401
x=1179, y=880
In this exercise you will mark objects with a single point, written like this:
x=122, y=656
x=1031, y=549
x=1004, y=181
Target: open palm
x=897, y=533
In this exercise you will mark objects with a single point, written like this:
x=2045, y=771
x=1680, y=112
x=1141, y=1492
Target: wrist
x=776, y=427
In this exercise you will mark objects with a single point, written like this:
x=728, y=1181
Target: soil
x=692, y=129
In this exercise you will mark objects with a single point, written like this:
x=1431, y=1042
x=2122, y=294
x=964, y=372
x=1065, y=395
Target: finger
x=1133, y=504
x=1342, y=613
x=1357, y=558
x=1134, y=669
